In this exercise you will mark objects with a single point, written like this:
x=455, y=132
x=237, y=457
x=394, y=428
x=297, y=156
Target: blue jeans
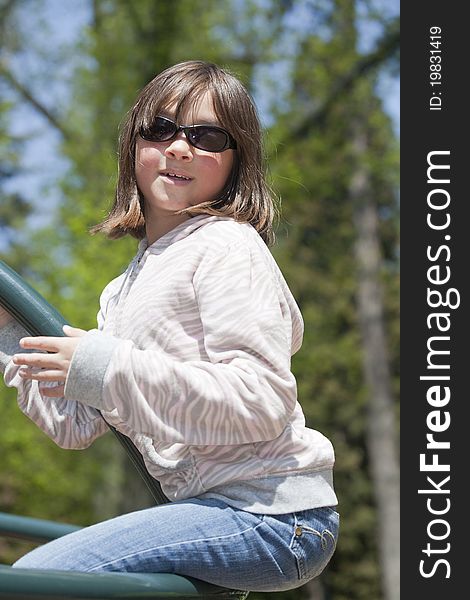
x=205, y=539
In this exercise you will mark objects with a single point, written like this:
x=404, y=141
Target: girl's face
x=174, y=175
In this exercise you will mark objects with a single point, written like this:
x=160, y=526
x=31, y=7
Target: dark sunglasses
x=205, y=137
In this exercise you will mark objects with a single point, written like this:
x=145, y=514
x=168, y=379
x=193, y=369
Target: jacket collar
x=181, y=231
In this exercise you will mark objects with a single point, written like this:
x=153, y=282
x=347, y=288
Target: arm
x=69, y=424
x=243, y=393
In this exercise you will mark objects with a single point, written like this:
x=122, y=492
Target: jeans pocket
x=314, y=540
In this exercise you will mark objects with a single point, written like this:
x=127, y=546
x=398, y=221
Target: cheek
x=146, y=157
x=218, y=168
x=147, y=163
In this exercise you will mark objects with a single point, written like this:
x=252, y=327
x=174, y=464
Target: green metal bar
x=28, y=306
x=35, y=530
x=36, y=584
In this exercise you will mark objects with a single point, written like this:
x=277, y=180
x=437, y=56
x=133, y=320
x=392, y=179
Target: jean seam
x=299, y=551
x=272, y=555
x=182, y=543
x=321, y=535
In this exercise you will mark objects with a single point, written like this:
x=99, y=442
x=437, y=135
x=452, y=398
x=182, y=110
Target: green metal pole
x=35, y=584
x=36, y=530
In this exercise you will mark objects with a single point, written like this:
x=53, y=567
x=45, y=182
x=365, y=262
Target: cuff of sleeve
x=87, y=370
x=10, y=336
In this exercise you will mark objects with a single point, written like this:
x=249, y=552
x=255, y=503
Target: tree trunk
x=381, y=427
x=314, y=590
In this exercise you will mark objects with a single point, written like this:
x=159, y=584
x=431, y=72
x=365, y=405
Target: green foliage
x=126, y=44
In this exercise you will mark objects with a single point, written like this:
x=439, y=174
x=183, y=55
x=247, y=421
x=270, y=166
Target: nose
x=179, y=148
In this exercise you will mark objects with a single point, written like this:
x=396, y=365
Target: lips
x=175, y=175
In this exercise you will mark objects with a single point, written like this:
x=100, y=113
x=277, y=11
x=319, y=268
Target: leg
x=208, y=540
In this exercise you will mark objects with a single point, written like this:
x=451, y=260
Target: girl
x=191, y=358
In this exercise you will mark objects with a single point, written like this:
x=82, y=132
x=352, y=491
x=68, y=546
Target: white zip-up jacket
x=191, y=360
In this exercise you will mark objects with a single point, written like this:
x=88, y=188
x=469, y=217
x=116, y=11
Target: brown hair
x=245, y=196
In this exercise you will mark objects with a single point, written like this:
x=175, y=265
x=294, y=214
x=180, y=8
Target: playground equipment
x=38, y=317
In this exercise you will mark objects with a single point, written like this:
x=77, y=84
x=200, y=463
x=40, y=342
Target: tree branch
x=35, y=103
x=5, y=9
x=386, y=48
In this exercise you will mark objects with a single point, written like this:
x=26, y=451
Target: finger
x=41, y=375
x=73, y=331
x=49, y=344
x=52, y=392
x=40, y=361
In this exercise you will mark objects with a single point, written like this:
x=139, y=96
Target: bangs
x=175, y=96
x=171, y=100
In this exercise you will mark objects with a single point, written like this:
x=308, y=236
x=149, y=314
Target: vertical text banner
x=435, y=259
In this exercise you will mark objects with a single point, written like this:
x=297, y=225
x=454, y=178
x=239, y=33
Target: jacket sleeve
x=244, y=391
x=68, y=423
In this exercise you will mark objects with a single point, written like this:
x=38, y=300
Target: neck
x=157, y=228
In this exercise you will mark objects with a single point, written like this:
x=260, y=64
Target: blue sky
x=41, y=161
